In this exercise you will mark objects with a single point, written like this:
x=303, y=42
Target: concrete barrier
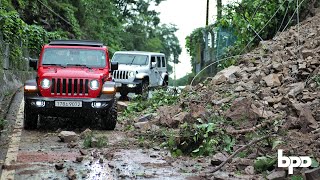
x=11, y=80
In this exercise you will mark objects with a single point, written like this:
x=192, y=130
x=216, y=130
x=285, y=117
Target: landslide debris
x=274, y=89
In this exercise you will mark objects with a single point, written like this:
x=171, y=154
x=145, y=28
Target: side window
x=158, y=62
x=153, y=59
x=163, y=62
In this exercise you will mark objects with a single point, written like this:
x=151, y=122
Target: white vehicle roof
x=138, y=52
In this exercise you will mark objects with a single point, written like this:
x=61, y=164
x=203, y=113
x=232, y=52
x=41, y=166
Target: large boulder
x=243, y=109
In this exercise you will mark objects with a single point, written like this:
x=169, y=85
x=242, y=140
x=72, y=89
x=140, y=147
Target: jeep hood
x=125, y=67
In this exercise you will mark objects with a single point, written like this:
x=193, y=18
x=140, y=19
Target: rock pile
x=277, y=83
x=278, y=80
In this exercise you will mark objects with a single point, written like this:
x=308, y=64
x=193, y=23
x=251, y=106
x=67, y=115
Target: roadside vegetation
x=2, y=123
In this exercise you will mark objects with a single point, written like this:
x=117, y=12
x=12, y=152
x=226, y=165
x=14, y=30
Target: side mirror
x=33, y=63
x=153, y=65
x=114, y=66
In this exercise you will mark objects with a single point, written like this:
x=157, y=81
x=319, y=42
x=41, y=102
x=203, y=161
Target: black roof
x=76, y=43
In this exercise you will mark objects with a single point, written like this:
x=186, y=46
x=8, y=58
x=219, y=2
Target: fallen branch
x=242, y=131
x=241, y=149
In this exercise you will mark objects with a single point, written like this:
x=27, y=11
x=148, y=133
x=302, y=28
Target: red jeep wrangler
x=73, y=80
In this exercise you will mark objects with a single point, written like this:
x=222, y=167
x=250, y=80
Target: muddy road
x=40, y=154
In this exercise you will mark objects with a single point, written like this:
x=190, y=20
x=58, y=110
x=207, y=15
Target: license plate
x=68, y=103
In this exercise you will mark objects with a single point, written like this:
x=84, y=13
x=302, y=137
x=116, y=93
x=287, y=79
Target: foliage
x=194, y=43
x=2, y=123
x=87, y=141
x=296, y=177
x=121, y=25
x=264, y=163
x=243, y=19
x=201, y=138
x=159, y=98
x=255, y=15
x=316, y=79
x=100, y=141
x=314, y=163
x=20, y=35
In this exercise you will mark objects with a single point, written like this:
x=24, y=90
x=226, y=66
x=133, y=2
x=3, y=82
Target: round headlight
x=131, y=74
x=94, y=84
x=45, y=83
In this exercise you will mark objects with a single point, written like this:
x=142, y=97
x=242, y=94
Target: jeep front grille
x=70, y=87
x=121, y=74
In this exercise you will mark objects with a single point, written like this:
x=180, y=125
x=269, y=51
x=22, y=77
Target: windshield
x=77, y=57
x=130, y=59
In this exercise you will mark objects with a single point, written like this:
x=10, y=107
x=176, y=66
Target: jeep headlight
x=45, y=83
x=131, y=74
x=94, y=84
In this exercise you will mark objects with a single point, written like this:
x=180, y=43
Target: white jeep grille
x=118, y=74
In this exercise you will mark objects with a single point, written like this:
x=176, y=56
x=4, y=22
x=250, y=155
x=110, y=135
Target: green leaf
x=276, y=143
x=264, y=163
x=314, y=163
x=297, y=177
x=196, y=150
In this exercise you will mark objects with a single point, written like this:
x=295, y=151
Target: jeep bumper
x=128, y=86
x=68, y=107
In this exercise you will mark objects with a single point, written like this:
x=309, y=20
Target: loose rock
x=59, y=166
x=71, y=174
x=85, y=133
x=217, y=159
x=68, y=136
x=277, y=175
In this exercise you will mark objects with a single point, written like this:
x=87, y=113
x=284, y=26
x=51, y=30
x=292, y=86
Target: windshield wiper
x=54, y=65
x=79, y=65
x=132, y=60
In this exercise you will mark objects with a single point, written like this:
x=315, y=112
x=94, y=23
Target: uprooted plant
x=138, y=105
x=91, y=141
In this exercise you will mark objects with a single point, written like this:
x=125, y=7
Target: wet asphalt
x=34, y=154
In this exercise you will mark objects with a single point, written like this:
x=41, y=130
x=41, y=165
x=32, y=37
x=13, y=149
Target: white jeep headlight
x=131, y=74
x=94, y=84
x=45, y=83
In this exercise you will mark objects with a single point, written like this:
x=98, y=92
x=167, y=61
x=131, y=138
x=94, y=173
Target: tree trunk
x=207, y=15
x=219, y=9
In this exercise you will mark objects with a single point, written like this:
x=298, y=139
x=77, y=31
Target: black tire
x=144, y=89
x=124, y=92
x=165, y=82
x=30, y=120
x=109, y=119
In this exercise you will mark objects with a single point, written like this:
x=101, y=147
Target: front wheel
x=109, y=119
x=144, y=89
x=124, y=92
x=30, y=120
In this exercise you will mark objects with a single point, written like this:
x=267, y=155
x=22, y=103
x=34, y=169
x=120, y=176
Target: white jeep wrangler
x=139, y=71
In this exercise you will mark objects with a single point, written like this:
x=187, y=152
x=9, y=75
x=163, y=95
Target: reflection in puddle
x=98, y=171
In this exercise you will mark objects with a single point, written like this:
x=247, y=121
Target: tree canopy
x=120, y=24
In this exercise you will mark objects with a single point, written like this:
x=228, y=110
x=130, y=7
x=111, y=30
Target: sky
x=187, y=15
